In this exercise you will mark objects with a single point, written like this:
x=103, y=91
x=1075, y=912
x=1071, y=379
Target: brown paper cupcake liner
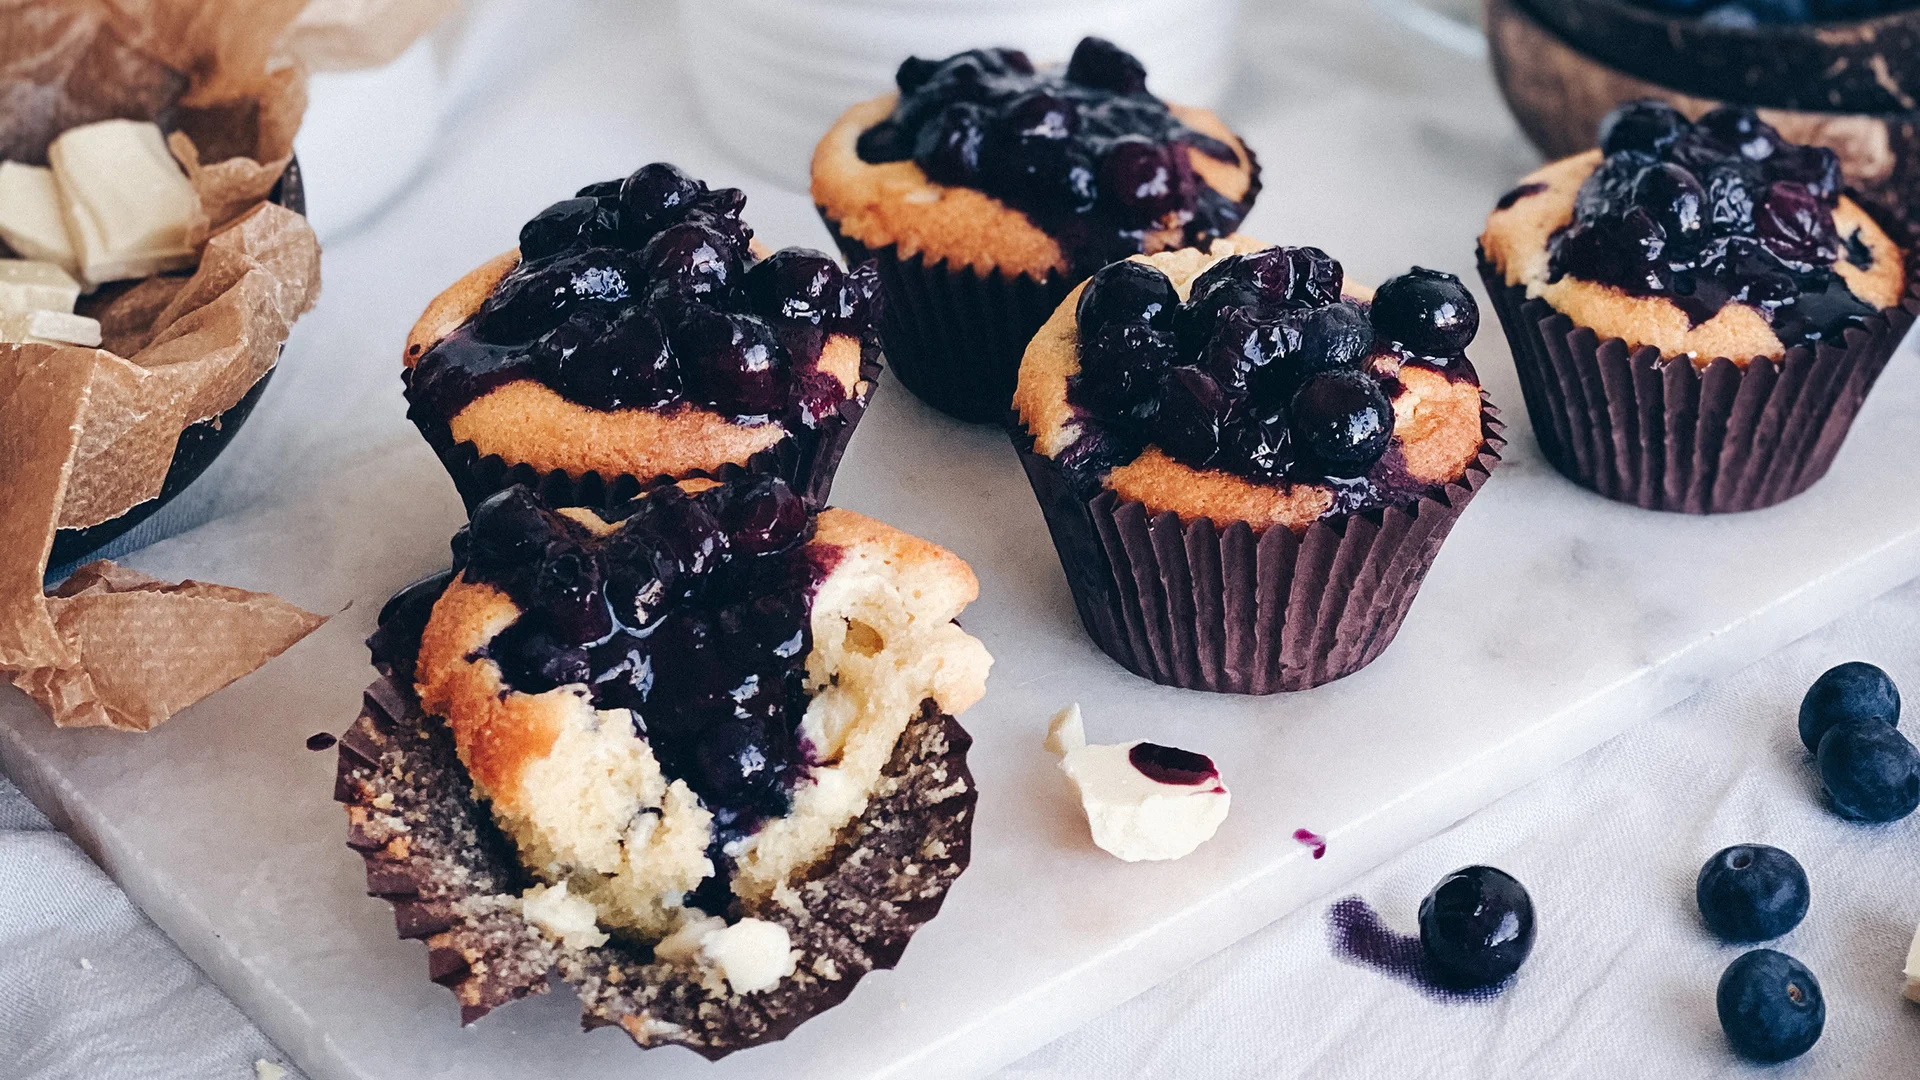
x=1235, y=611
x=954, y=337
x=807, y=461
x=432, y=850
x=1710, y=439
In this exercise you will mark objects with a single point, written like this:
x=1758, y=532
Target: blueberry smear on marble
x=1770, y=1006
x=1751, y=892
x=1870, y=770
x=692, y=614
x=1085, y=152
x=1265, y=370
x=1855, y=690
x=644, y=294
x=1476, y=927
x=1711, y=212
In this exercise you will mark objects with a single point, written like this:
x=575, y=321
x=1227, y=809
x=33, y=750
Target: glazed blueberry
x=1428, y=311
x=1125, y=291
x=690, y=261
x=1147, y=180
x=1102, y=65
x=1193, y=412
x=1249, y=349
x=508, y=527
x=764, y=517
x=1265, y=443
x=1476, y=927
x=948, y=147
x=641, y=570
x=731, y=362
x=734, y=763
x=796, y=283
x=657, y=195
x=1336, y=336
x=1732, y=198
x=1796, y=227
x=580, y=221
x=1751, y=892
x=1770, y=1006
x=536, y=296
x=1674, y=197
x=568, y=589
x=1647, y=126
x=1121, y=367
x=1855, y=690
x=1740, y=128
x=625, y=364
x=1342, y=421
x=535, y=660
x=1870, y=770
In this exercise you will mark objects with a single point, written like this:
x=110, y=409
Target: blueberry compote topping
x=1086, y=152
x=692, y=614
x=1265, y=370
x=642, y=293
x=1717, y=211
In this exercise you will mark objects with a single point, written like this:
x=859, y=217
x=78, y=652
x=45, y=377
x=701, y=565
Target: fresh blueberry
x=1102, y=65
x=795, y=283
x=1476, y=927
x=1770, y=1006
x=1751, y=892
x=1341, y=421
x=1126, y=291
x=1871, y=771
x=1428, y=311
x=1335, y=336
x=1647, y=126
x=1855, y=690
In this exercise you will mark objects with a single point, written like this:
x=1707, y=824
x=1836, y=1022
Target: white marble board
x=1551, y=621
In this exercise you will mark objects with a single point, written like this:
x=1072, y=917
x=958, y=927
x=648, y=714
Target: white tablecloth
x=1412, y=144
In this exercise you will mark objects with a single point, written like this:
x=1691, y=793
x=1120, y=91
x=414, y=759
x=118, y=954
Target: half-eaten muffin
x=698, y=757
x=637, y=334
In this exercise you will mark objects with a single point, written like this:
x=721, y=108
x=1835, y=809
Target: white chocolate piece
x=1913, y=968
x=751, y=955
x=129, y=208
x=30, y=219
x=30, y=285
x=49, y=328
x=1131, y=815
x=569, y=919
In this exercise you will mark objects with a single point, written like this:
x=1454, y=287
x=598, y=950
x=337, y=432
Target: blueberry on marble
x=1476, y=927
x=1855, y=690
x=1428, y=311
x=1342, y=421
x=1770, y=1006
x=1751, y=892
x=1870, y=770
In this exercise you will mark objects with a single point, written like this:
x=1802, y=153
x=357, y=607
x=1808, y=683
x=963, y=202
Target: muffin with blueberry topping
x=697, y=757
x=638, y=334
x=1697, y=309
x=1246, y=465
x=987, y=188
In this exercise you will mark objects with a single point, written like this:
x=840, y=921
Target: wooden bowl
x=1559, y=93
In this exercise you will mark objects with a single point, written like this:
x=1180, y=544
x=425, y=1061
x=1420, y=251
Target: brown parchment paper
x=345, y=35
x=86, y=434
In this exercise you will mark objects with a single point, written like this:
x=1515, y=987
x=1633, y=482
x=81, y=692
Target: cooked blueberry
x=1751, y=892
x=508, y=528
x=1193, y=412
x=1647, y=126
x=1342, y=421
x=640, y=577
x=1796, y=226
x=764, y=516
x=1815, y=167
x=689, y=261
x=1674, y=197
x=1171, y=765
x=535, y=659
x=1101, y=64
x=1265, y=443
x=1476, y=927
x=734, y=762
x=1626, y=249
x=1731, y=198
x=1855, y=690
x=1770, y=1006
x=913, y=72
x=1041, y=114
x=1316, y=277
x=859, y=298
x=1248, y=347
x=1146, y=179
x=690, y=530
x=625, y=364
x=1056, y=173
x=535, y=297
x=657, y=195
x=795, y=283
x=1740, y=128
x=567, y=589
x=1126, y=291
x=1870, y=770
x=570, y=222
x=732, y=362
x=948, y=147
x=1120, y=367
x=1335, y=336
x=1428, y=311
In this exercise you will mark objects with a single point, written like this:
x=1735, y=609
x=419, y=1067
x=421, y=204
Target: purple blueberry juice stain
x=1357, y=935
x=1313, y=840
x=1172, y=765
x=321, y=741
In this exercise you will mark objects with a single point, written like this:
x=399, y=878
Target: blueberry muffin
x=1247, y=466
x=638, y=334
x=987, y=188
x=697, y=757
x=1697, y=309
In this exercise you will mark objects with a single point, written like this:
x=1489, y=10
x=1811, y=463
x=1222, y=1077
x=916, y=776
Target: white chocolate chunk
x=49, y=328
x=569, y=919
x=751, y=955
x=129, y=208
x=1913, y=968
x=1130, y=814
x=30, y=285
x=30, y=219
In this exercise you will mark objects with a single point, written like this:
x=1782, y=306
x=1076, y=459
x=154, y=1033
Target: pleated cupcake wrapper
x=1677, y=436
x=954, y=337
x=432, y=851
x=807, y=461
x=1235, y=611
